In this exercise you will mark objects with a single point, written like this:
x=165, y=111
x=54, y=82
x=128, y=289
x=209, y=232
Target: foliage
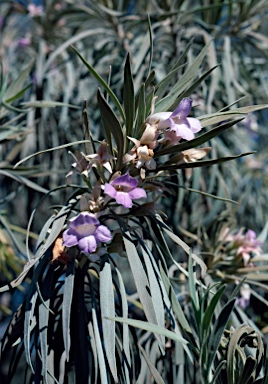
x=140, y=271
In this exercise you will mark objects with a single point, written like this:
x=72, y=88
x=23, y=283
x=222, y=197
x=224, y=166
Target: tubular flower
x=124, y=189
x=143, y=152
x=189, y=156
x=85, y=231
x=181, y=126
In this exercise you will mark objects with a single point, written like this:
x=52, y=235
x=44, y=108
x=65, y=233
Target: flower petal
x=103, y=234
x=194, y=124
x=150, y=164
x=109, y=190
x=69, y=237
x=165, y=123
x=156, y=117
x=183, y=131
x=88, y=244
x=183, y=109
x=124, y=199
x=137, y=193
x=125, y=181
x=83, y=218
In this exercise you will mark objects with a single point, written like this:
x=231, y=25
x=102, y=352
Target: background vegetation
x=48, y=99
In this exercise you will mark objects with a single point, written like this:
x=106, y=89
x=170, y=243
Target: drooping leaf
x=141, y=281
x=156, y=329
x=66, y=305
x=175, y=302
x=155, y=287
x=126, y=341
x=156, y=375
x=101, y=359
x=107, y=305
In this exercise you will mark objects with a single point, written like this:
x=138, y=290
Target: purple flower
x=85, y=231
x=24, y=42
x=124, y=189
x=181, y=126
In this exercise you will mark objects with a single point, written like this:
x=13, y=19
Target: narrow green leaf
x=103, y=83
x=220, y=367
x=47, y=104
x=191, y=72
x=30, y=310
x=192, y=88
x=108, y=310
x=201, y=139
x=206, y=163
x=187, y=249
x=129, y=98
x=49, y=150
x=192, y=283
x=43, y=312
x=247, y=375
x=24, y=181
x=94, y=350
x=19, y=94
x=233, y=345
x=221, y=116
x=162, y=86
x=155, y=290
x=184, y=54
x=149, y=100
x=17, y=85
x=156, y=375
x=156, y=329
x=151, y=45
x=175, y=302
x=211, y=307
x=126, y=342
x=111, y=124
x=141, y=113
x=102, y=365
x=167, y=102
x=141, y=281
x=211, y=196
x=66, y=306
x=217, y=332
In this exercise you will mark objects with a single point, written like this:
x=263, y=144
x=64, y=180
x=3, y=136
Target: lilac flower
x=124, y=189
x=85, y=231
x=245, y=245
x=183, y=127
x=24, y=42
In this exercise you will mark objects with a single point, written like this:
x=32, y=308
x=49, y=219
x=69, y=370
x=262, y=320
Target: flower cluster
x=120, y=187
x=244, y=245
